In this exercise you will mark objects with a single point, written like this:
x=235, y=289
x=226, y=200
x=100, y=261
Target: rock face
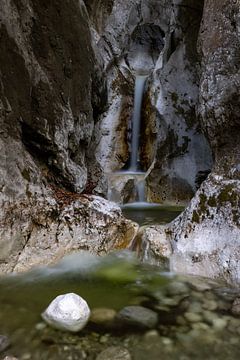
x=158, y=38
x=211, y=244
x=69, y=312
x=51, y=88
x=66, y=98
x=206, y=237
x=45, y=232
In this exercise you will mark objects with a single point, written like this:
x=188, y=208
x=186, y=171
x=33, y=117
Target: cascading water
x=133, y=173
x=132, y=180
x=136, y=121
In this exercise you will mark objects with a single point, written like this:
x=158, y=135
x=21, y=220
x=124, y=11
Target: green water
x=114, y=282
x=151, y=214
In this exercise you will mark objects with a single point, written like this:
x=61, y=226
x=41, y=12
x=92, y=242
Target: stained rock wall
x=51, y=87
x=205, y=239
x=160, y=38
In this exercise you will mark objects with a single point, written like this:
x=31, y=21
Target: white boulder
x=67, y=312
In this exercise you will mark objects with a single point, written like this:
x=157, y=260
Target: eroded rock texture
x=51, y=86
x=211, y=245
x=206, y=237
x=158, y=38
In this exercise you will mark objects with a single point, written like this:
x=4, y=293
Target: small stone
x=114, y=353
x=195, y=307
x=102, y=316
x=192, y=317
x=209, y=317
x=176, y=288
x=67, y=312
x=151, y=334
x=210, y=305
x=180, y=320
x=172, y=302
x=138, y=316
x=236, y=306
x=4, y=343
x=104, y=339
x=166, y=341
x=40, y=326
x=219, y=324
x=200, y=285
x=26, y=356
x=200, y=326
x=234, y=341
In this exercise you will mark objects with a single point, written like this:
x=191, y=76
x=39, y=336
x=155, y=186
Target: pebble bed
x=189, y=318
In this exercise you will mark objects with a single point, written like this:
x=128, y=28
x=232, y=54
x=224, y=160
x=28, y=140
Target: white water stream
x=136, y=121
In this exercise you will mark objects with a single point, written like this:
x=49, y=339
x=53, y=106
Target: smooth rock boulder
x=67, y=312
x=102, y=316
x=137, y=316
x=114, y=353
x=4, y=343
x=236, y=307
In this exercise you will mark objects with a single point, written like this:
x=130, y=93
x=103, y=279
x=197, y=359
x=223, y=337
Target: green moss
x=195, y=217
x=174, y=97
x=26, y=175
x=202, y=203
x=228, y=195
x=202, y=212
x=212, y=201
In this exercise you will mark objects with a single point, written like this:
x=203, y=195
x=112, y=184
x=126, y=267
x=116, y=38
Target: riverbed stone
x=67, y=312
x=236, y=306
x=137, y=316
x=114, y=353
x=152, y=246
x=4, y=343
x=193, y=317
x=219, y=324
x=103, y=316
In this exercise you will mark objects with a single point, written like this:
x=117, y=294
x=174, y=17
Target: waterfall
x=133, y=178
x=136, y=120
x=141, y=190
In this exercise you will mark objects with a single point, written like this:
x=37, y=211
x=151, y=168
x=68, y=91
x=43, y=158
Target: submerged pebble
x=114, y=353
x=67, y=312
x=102, y=316
x=192, y=317
x=236, y=307
x=138, y=316
x=4, y=343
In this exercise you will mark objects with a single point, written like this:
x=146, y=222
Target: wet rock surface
x=152, y=37
x=4, y=343
x=137, y=316
x=68, y=312
x=114, y=353
x=50, y=230
x=205, y=238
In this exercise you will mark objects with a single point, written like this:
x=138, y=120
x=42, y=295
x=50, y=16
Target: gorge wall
x=205, y=238
x=66, y=100
x=158, y=38
x=51, y=86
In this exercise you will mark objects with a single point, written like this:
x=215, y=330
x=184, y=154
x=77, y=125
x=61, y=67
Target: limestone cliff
x=206, y=238
x=51, y=87
x=158, y=38
x=66, y=97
